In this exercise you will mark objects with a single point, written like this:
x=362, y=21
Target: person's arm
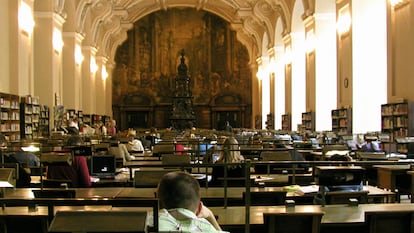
x=209, y=216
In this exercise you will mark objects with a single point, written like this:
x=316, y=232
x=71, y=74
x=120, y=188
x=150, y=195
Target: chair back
x=161, y=148
x=266, y=198
x=149, y=178
x=280, y=155
x=100, y=148
x=292, y=222
x=54, y=193
x=390, y=221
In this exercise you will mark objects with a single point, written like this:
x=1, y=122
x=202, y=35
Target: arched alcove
x=147, y=62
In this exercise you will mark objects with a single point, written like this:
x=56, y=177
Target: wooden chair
x=266, y=198
x=292, y=222
x=390, y=221
x=163, y=148
x=98, y=221
x=276, y=155
x=100, y=148
x=54, y=193
x=149, y=178
x=172, y=159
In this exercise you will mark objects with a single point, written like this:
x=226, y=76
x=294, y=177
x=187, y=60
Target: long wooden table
x=234, y=194
x=387, y=177
x=336, y=218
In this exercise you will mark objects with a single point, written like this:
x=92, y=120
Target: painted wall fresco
x=146, y=63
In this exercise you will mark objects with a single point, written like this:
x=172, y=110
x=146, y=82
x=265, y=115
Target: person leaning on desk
x=25, y=160
x=180, y=207
x=77, y=172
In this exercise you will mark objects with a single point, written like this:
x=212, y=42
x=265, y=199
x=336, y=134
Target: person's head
x=231, y=151
x=74, y=141
x=179, y=190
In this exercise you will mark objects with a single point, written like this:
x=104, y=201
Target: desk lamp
x=7, y=179
x=31, y=148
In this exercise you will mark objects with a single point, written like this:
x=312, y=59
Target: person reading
x=180, y=207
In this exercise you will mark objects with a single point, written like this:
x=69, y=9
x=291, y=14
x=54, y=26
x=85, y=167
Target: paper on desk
x=336, y=152
x=308, y=189
x=94, y=179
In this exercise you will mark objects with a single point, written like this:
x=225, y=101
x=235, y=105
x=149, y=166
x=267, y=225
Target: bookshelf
x=342, y=121
x=70, y=115
x=95, y=118
x=269, y=121
x=80, y=117
x=86, y=119
x=44, y=126
x=308, y=121
x=286, y=122
x=29, y=115
x=10, y=116
x=396, y=121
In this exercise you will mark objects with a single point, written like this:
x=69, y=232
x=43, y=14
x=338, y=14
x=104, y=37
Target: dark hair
x=74, y=141
x=178, y=190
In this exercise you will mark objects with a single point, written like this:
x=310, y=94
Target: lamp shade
x=7, y=178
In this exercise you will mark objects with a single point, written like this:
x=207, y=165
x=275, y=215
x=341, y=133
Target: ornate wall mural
x=147, y=62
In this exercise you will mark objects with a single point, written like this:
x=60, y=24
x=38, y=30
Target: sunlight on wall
x=298, y=78
x=265, y=77
x=325, y=67
x=369, y=64
x=279, y=87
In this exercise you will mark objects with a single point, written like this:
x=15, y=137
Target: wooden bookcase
x=286, y=122
x=29, y=117
x=342, y=121
x=396, y=121
x=86, y=119
x=270, y=121
x=10, y=116
x=308, y=121
x=44, y=126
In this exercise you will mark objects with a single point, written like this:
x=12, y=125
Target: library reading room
x=237, y=116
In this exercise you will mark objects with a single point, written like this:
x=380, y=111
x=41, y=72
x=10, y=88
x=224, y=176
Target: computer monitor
x=103, y=166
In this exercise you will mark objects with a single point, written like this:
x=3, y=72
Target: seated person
x=370, y=146
x=24, y=178
x=120, y=151
x=77, y=172
x=179, y=148
x=135, y=146
x=27, y=159
x=180, y=207
x=229, y=154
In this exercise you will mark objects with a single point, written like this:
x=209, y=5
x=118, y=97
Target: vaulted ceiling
x=105, y=23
